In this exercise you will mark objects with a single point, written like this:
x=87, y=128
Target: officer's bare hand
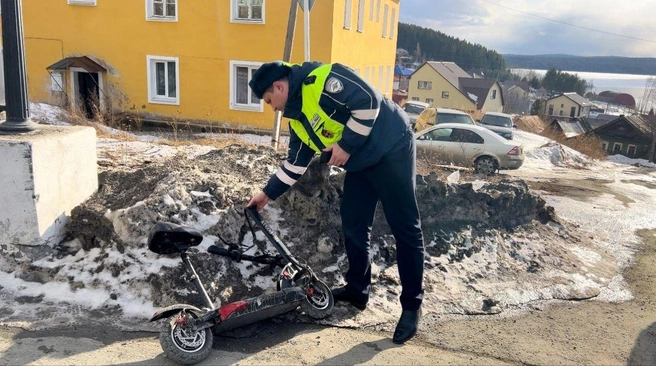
x=339, y=156
x=259, y=201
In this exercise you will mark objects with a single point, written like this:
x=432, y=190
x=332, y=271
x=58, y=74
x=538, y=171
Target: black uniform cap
x=264, y=77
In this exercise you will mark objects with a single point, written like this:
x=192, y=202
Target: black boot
x=407, y=327
x=345, y=295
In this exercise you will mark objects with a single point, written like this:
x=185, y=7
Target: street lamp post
x=13, y=53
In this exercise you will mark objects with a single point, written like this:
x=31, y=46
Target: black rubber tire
x=485, y=165
x=320, y=303
x=175, y=349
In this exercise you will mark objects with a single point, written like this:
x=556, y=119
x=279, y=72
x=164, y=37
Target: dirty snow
x=597, y=232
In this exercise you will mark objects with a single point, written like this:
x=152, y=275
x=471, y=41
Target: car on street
x=434, y=116
x=413, y=109
x=500, y=123
x=469, y=146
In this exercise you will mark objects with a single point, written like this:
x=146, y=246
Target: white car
x=469, y=146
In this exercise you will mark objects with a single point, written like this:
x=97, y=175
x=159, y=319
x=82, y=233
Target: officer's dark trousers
x=391, y=181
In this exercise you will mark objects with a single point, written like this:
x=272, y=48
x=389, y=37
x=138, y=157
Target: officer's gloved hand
x=325, y=157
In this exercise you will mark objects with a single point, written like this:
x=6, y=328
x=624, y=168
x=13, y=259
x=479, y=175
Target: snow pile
x=559, y=155
x=621, y=159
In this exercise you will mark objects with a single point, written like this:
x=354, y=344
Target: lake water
x=620, y=83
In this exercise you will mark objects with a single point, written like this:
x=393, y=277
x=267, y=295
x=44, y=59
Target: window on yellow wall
x=57, y=81
x=347, y=14
x=241, y=95
x=385, y=11
x=81, y=2
x=445, y=95
x=371, y=10
x=393, y=24
x=247, y=11
x=380, y=78
x=162, y=10
x=377, y=11
x=366, y=74
x=163, y=80
x=424, y=85
x=361, y=16
x=388, y=76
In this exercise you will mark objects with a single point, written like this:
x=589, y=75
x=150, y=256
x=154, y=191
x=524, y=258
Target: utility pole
x=306, y=5
x=286, y=56
x=16, y=97
x=306, y=23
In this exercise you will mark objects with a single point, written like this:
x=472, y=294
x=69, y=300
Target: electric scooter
x=188, y=335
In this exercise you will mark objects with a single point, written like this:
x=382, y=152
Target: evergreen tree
x=432, y=45
x=537, y=108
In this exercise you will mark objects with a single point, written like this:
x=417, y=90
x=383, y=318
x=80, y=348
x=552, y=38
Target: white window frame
x=361, y=11
x=153, y=98
x=392, y=22
x=604, y=146
x=150, y=12
x=250, y=107
x=380, y=78
x=385, y=12
x=347, y=14
x=57, y=81
x=371, y=10
x=430, y=101
x=628, y=150
x=366, y=74
x=445, y=94
x=234, y=12
x=388, y=77
x=416, y=99
x=424, y=85
x=620, y=149
x=377, y=11
x=82, y=2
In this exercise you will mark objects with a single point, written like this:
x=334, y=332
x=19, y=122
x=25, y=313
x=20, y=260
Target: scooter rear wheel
x=183, y=345
x=319, y=301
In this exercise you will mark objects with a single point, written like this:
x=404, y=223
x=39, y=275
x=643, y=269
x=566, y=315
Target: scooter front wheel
x=183, y=345
x=319, y=301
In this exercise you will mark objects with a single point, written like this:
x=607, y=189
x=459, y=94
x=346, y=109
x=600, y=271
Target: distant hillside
x=609, y=64
x=437, y=46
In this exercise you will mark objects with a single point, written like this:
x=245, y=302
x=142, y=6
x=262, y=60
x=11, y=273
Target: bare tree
x=648, y=96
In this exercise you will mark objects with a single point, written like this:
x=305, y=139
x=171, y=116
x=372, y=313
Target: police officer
x=331, y=109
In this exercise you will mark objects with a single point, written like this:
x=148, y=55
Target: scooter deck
x=259, y=308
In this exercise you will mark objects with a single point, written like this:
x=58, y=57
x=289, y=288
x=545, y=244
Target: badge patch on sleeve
x=334, y=85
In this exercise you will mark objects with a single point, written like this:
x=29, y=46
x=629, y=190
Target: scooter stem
x=196, y=280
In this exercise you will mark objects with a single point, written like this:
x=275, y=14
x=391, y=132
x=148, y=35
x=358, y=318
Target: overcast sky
x=536, y=26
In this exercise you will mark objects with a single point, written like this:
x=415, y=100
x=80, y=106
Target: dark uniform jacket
x=374, y=125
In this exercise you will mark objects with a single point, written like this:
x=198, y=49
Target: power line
x=570, y=24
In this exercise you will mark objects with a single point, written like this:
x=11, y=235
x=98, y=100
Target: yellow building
x=446, y=85
x=569, y=105
x=192, y=60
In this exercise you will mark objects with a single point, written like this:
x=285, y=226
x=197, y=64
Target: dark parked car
x=500, y=123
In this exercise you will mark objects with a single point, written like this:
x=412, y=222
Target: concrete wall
x=45, y=174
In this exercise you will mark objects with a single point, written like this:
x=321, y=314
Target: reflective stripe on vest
x=318, y=128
